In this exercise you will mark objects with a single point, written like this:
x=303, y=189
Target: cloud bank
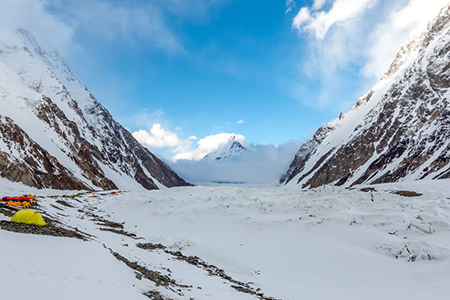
x=262, y=164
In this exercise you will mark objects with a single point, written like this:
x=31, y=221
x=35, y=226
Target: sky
x=185, y=75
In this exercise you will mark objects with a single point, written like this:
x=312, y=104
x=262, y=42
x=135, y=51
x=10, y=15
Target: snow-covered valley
x=235, y=242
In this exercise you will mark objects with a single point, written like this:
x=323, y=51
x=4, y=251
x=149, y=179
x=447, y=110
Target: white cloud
x=191, y=148
x=347, y=39
x=319, y=22
x=318, y=4
x=389, y=36
x=290, y=4
x=262, y=164
x=336, y=44
x=157, y=137
x=240, y=121
x=303, y=16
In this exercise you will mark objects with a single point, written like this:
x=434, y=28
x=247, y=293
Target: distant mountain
x=55, y=134
x=400, y=130
x=231, y=150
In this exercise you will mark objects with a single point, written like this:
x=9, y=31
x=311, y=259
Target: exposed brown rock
x=37, y=168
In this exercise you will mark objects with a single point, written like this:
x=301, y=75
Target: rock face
x=31, y=164
x=400, y=130
x=55, y=134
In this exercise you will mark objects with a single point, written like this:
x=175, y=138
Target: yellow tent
x=28, y=216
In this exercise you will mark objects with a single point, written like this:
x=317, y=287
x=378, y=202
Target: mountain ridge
x=39, y=93
x=399, y=130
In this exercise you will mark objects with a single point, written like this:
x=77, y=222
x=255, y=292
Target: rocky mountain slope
x=400, y=130
x=55, y=134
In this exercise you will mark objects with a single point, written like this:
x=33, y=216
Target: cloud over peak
x=207, y=145
x=191, y=148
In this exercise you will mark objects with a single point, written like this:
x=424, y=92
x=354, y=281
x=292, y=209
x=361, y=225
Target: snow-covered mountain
x=54, y=133
x=400, y=130
x=231, y=150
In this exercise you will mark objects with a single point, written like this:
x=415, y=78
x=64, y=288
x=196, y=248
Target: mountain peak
x=63, y=137
x=231, y=150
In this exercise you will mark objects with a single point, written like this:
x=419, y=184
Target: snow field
x=42, y=267
x=327, y=243
x=330, y=243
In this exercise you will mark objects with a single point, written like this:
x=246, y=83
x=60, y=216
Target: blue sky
x=232, y=62
x=184, y=72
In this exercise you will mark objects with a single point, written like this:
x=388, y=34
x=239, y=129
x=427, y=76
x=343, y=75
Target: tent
x=16, y=199
x=28, y=216
x=23, y=201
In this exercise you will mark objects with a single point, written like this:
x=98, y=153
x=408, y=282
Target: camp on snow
x=28, y=216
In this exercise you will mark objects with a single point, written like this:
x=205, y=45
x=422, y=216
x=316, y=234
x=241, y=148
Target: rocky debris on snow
x=211, y=269
x=107, y=223
x=368, y=189
x=8, y=210
x=102, y=221
x=49, y=229
x=155, y=295
x=407, y=193
x=154, y=276
x=110, y=226
x=62, y=202
x=158, y=278
x=151, y=246
x=121, y=232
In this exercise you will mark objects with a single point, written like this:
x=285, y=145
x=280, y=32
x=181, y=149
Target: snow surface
x=327, y=243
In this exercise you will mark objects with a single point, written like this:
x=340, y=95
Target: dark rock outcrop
x=32, y=165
